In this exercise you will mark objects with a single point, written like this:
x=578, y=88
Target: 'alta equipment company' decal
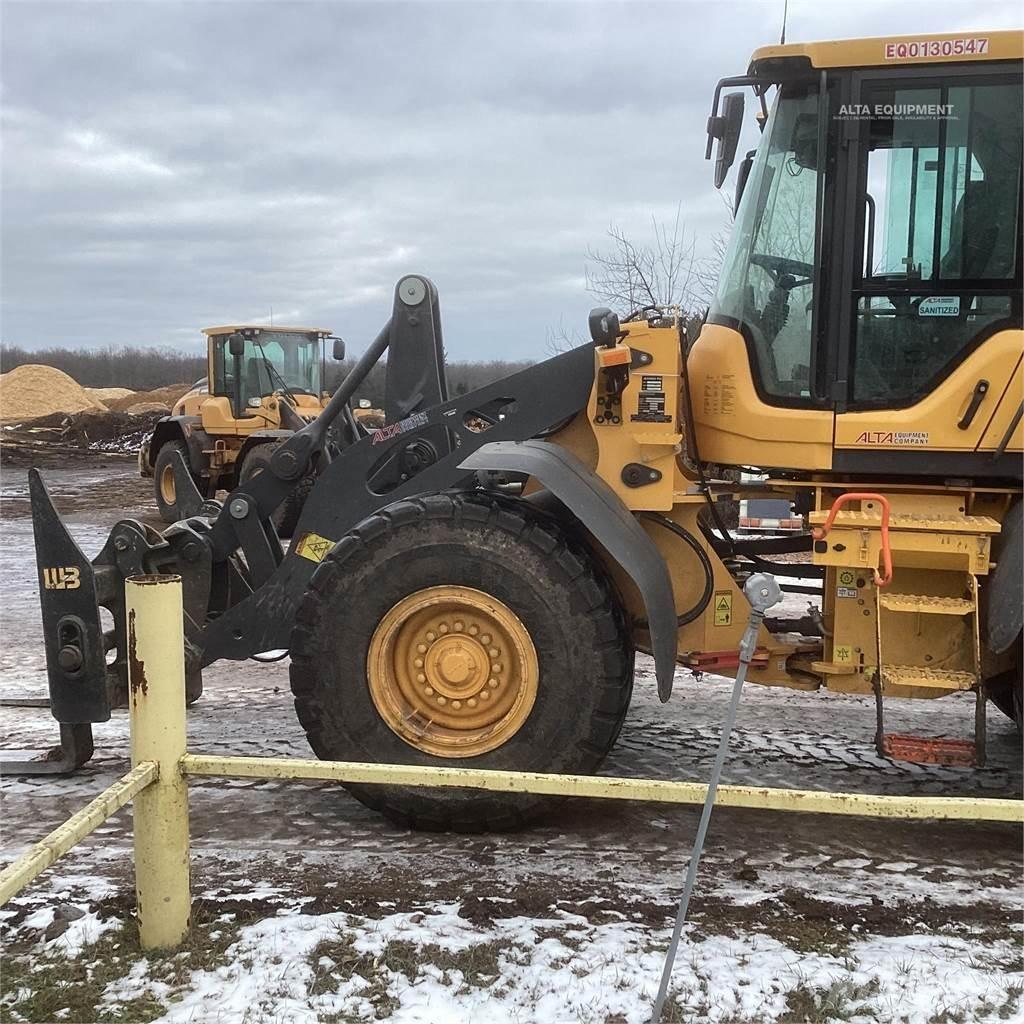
x=893, y=437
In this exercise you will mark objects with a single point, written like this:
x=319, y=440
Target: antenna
x=785, y=14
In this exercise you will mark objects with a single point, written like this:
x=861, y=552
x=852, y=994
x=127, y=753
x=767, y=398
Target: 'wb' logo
x=63, y=577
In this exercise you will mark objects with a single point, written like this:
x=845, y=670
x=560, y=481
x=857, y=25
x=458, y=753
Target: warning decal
x=314, y=547
x=723, y=608
x=846, y=577
x=843, y=654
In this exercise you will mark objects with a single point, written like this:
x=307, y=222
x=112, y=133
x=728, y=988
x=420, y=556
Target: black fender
x=180, y=428
x=610, y=522
x=1005, y=617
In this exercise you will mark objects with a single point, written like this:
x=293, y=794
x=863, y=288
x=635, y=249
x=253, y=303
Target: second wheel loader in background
x=470, y=582
x=263, y=384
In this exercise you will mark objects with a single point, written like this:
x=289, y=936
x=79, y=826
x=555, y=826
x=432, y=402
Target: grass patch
x=478, y=966
x=57, y=986
x=48, y=985
x=841, y=1001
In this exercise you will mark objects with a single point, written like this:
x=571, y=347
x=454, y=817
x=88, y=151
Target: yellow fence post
x=156, y=686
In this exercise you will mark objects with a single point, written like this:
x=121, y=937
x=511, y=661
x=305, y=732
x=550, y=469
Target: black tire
x=286, y=515
x=510, y=552
x=1006, y=692
x=163, y=480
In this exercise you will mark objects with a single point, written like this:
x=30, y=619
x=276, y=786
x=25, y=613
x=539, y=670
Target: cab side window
x=941, y=223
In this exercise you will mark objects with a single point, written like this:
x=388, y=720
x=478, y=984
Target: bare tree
x=661, y=272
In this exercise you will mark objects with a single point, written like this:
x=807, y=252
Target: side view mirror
x=236, y=344
x=604, y=327
x=726, y=129
x=338, y=352
x=741, y=178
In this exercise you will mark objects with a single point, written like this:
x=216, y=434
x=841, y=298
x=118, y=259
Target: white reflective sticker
x=940, y=305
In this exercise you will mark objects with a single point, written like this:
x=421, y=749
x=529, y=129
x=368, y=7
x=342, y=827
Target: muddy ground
x=811, y=884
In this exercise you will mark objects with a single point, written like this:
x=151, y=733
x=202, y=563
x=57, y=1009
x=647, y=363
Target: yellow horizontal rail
x=654, y=790
x=16, y=876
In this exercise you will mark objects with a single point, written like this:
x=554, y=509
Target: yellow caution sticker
x=723, y=608
x=846, y=577
x=314, y=547
x=842, y=654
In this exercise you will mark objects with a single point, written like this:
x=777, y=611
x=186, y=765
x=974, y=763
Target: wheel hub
x=452, y=671
x=167, y=491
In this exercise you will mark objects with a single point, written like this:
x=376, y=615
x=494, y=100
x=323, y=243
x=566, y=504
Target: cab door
x=933, y=335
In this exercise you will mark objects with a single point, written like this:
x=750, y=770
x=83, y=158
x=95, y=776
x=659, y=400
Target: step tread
x=913, y=521
x=926, y=603
x=936, y=678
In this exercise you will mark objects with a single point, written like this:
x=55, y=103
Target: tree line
x=144, y=369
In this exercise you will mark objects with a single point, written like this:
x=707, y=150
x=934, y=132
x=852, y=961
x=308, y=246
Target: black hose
x=709, y=573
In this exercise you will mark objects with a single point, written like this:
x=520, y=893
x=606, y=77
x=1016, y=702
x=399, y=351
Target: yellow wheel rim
x=452, y=671
x=167, y=484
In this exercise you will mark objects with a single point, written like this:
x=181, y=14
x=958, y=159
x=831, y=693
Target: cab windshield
x=271, y=361
x=766, y=284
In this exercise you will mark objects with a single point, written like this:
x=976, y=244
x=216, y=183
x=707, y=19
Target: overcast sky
x=167, y=166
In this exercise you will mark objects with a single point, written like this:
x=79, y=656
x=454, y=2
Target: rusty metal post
x=156, y=691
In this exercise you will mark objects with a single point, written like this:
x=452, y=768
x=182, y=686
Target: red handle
x=821, y=532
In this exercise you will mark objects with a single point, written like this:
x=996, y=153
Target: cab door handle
x=980, y=391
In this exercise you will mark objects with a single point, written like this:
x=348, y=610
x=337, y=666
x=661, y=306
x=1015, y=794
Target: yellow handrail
x=28, y=866
x=608, y=788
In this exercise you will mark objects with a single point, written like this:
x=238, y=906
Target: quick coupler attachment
x=75, y=655
x=73, y=634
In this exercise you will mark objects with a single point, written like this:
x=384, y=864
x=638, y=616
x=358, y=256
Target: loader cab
x=251, y=368
x=867, y=316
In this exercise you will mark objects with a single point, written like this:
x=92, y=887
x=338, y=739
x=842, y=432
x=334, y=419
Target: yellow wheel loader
x=262, y=384
x=468, y=584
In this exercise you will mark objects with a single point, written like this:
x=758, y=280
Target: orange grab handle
x=821, y=532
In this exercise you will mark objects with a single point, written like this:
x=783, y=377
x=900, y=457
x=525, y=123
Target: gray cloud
x=171, y=165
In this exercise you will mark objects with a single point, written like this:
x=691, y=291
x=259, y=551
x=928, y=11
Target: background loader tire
x=163, y=480
x=503, y=549
x=286, y=516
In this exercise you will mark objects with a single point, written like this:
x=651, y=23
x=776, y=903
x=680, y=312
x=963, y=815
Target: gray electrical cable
x=762, y=592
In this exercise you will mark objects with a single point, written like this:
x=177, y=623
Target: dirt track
x=314, y=841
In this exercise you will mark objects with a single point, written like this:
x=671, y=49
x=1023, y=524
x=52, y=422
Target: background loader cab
x=263, y=384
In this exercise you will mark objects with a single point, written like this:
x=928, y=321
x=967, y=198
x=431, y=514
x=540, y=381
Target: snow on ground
x=432, y=966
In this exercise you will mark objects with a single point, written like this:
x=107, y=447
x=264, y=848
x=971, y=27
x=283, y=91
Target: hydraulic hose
x=705, y=562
